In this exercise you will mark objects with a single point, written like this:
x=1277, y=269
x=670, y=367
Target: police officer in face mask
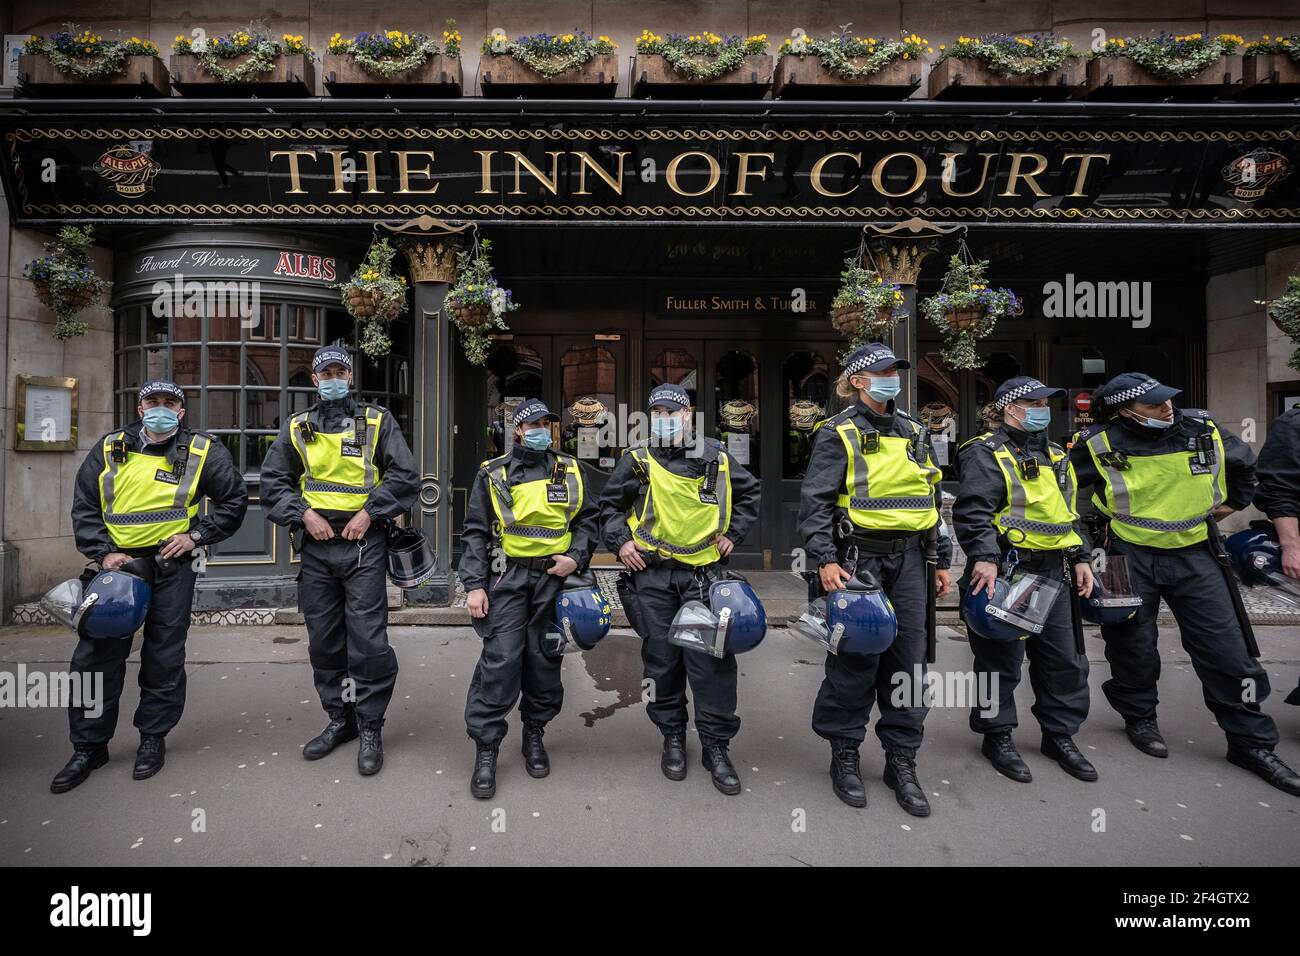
x=341, y=470
x=1157, y=474
x=1018, y=493
x=532, y=504
x=138, y=494
x=869, y=498
x=671, y=511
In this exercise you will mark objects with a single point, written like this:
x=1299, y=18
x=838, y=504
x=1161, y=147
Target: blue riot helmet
x=582, y=617
x=740, y=614
x=1112, y=600
x=1255, y=556
x=114, y=605
x=860, y=620
x=1018, y=609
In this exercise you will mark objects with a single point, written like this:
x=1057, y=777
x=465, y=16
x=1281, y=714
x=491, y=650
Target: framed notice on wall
x=45, y=412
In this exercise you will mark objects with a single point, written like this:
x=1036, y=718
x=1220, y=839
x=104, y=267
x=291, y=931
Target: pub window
x=514, y=373
x=675, y=367
x=805, y=388
x=736, y=393
x=587, y=392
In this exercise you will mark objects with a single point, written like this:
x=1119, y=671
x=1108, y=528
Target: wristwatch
x=196, y=537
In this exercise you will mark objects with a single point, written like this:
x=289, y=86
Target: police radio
x=307, y=430
x=117, y=450
x=556, y=490
x=182, y=458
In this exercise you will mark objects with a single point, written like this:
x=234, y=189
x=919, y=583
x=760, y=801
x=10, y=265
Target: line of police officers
x=672, y=511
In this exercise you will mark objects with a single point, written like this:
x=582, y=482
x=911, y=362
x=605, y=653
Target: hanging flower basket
x=842, y=66
x=966, y=310
x=65, y=282
x=72, y=63
x=374, y=296
x=1284, y=311
x=565, y=64
x=1166, y=65
x=867, y=306
x=1270, y=68
x=244, y=62
x=476, y=304
x=394, y=63
x=1007, y=67
x=679, y=65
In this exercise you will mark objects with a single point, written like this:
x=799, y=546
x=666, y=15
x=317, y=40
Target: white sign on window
x=588, y=442
x=738, y=446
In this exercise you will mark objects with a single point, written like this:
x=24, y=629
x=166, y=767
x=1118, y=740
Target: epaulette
x=985, y=437
x=844, y=414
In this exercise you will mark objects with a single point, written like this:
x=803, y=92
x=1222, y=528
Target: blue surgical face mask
x=883, y=389
x=666, y=429
x=1036, y=419
x=1157, y=423
x=538, y=439
x=332, y=389
x=160, y=419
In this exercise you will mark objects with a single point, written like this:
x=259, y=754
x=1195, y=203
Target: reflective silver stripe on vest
x=1019, y=502
x=1152, y=524
x=645, y=528
x=860, y=492
x=890, y=504
x=311, y=484
x=1119, y=491
x=1114, y=477
x=673, y=548
x=533, y=531
x=180, y=500
x=367, y=453
x=505, y=501
x=1038, y=527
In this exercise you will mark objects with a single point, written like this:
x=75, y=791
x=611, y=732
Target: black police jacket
x=220, y=482
x=1278, y=469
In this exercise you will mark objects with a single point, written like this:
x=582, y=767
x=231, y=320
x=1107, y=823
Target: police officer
x=1157, y=474
x=341, y=470
x=869, y=498
x=671, y=511
x=533, y=505
x=1018, y=492
x=1279, y=493
x=137, y=494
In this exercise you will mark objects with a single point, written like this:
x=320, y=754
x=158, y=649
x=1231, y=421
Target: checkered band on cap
x=1020, y=391
x=666, y=393
x=1128, y=394
x=153, y=388
x=869, y=359
x=330, y=356
x=528, y=411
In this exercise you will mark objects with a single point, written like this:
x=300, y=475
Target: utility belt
x=544, y=563
x=892, y=545
x=653, y=560
x=1036, y=559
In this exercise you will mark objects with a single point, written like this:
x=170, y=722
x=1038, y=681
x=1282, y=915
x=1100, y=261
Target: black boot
x=1002, y=753
x=484, y=782
x=846, y=773
x=718, y=763
x=339, y=730
x=536, y=762
x=85, y=758
x=1144, y=732
x=900, y=777
x=1062, y=749
x=370, y=755
x=1268, y=765
x=673, y=762
x=150, y=757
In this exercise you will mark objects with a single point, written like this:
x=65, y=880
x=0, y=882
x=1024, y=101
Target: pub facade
x=647, y=239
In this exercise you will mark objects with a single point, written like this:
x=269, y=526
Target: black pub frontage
x=649, y=242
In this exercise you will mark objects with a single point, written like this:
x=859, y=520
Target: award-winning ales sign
x=278, y=167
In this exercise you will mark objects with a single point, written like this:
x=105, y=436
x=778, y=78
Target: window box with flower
x=394, y=63
x=245, y=62
x=1270, y=68
x=867, y=306
x=844, y=66
x=569, y=64
x=680, y=65
x=1042, y=66
x=374, y=296
x=76, y=62
x=1167, y=65
x=477, y=304
x=966, y=310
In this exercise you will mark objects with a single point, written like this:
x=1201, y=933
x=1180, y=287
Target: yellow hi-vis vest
x=1039, y=512
x=682, y=518
x=1160, y=501
x=338, y=470
x=892, y=487
x=146, y=499
x=533, y=517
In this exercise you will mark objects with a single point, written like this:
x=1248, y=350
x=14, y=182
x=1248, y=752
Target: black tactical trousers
x=343, y=597
x=162, y=665
x=521, y=605
x=1058, y=673
x=1191, y=582
x=852, y=683
x=660, y=590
